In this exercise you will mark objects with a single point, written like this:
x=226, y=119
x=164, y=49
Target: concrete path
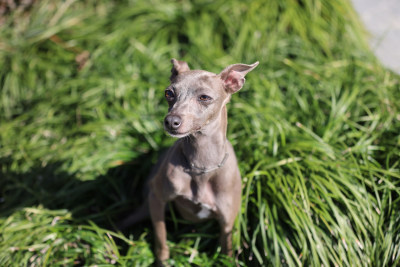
x=382, y=20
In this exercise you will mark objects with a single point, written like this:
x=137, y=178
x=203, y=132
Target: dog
x=199, y=173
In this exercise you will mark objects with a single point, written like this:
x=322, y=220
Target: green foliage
x=316, y=129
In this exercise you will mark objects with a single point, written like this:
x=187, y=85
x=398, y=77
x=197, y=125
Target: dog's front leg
x=226, y=239
x=157, y=213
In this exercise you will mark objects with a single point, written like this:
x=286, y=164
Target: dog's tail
x=139, y=215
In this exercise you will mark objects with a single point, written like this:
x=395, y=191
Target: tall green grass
x=316, y=130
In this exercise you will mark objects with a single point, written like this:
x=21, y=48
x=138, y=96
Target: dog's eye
x=205, y=98
x=169, y=95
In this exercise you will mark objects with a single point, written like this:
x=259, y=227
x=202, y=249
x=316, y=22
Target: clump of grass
x=316, y=131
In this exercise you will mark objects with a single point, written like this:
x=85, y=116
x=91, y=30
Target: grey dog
x=199, y=173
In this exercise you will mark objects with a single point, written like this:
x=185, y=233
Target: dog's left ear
x=233, y=76
x=178, y=67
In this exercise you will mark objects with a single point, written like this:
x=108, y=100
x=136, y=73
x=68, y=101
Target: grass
x=316, y=131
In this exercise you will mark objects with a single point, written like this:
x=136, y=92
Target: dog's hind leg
x=139, y=215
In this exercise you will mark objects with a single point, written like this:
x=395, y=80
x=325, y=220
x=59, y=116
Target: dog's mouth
x=178, y=134
x=176, y=126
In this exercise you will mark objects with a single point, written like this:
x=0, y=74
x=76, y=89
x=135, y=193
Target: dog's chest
x=197, y=203
x=193, y=210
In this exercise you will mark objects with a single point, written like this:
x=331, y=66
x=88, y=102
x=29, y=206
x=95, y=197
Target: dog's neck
x=207, y=148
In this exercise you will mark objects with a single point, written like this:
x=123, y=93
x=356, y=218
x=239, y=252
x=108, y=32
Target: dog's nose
x=172, y=122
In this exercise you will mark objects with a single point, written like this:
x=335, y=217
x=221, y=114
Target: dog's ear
x=177, y=68
x=233, y=76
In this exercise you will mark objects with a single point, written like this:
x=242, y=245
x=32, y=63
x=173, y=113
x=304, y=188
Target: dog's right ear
x=177, y=68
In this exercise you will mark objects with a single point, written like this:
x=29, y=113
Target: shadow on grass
x=101, y=200
x=104, y=200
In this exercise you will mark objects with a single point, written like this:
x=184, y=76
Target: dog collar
x=207, y=170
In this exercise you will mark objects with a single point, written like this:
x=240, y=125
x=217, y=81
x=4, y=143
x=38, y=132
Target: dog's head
x=196, y=97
